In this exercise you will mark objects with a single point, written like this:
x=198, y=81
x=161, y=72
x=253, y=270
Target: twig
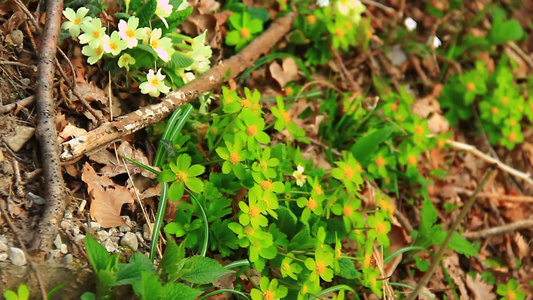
x=16, y=63
x=33, y=266
x=208, y=81
x=474, y=151
x=387, y=9
x=511, y=198
x=22, y=103
x=54, y=192
x=451, y=231
x=522, y=224
x=348, y=75
x=521, y=53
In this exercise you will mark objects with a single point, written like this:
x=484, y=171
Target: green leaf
x=286, y=221
x=132, y=272
x=179, y=61
x=302, y=240
x=150, y=287
x=504, y=31
x=135, y=4
x=203, y=270
x=175, y=19
x=143, y=58
x=462, y=245
x=88, y=296
x=347, y=269
x=10, y=295
x=259, y=13
x=428, y=217
x=146, y=12
x=179, y=291
x=23, y=292
x=174, y=254
x=98, y=255
x=368, y=145
x=298, y=37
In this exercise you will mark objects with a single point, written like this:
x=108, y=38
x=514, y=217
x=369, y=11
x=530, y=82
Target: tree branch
x=212, y=79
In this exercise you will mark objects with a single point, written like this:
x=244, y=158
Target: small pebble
x=80, y=237
x=67, y=215
x=66, y=225
x=17, y=257
x=3, y=256
x=58, y=242
x=130, y=240
x=113, y=231
x=3, y=247
x=102, y=235
x=139, y=237
x=67, y=260
x=75, y=230
x=126, y=226
x=63, y=248
x=111, y=245
x=147, y=233
x=95, y=226
x=35, y=199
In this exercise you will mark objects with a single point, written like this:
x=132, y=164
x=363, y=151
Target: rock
x=67, y=260
x=147, y=233
x=75, y=230
x=17, y=257
x=130, y=240
x=3, y=256
x=102, y=235
x=111, y=245
x=113, y=231
x=67, y=215
x=139, y=237
x=3, y=247
x=396, y=55
x=64, y=248
x=95, y=226
x=58, y=242
x=35, y=199
x=19, y=137
x=126, y=227
x=80, y=237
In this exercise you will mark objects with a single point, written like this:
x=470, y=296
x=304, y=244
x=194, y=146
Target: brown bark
x=54, y=191
x=208, y=81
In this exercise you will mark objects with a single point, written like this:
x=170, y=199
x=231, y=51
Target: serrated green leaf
x=179, y=61
x=179, y=291
x=98, y=255
x=145, y=13
x=150, y=287
x=132, y=272
x=174, y=254
x=368, y=145
x=347, y=269
x=461, y=245
x=428, y=217
x=135, y=4
x=201, y=270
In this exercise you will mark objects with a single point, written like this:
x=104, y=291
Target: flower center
x=113, y=46
x=266, y=184
x=348, y=173
x=412, y=160
x=181, y=176
x=268, y=295
x=512, y=136
x=347, y=211
x=246, y=103
x=98, y=51
x=77, y=21
x=264, y=165
x=394, y=107
x=96, y=34
x=234, y=158
x=419, y=129
x=130, y=33
x=380, y=161
x=470, y=86
x=381, y=228
x=251, y=130
x=339, y=32
x=154, y=82
x=311, y=19
x=254, y=212
x=154, y=44
x=318, y=190
x=311, y=204
x=286, y=117
x=320, y=267
x=245, y=33
x=505, y=100
x=286, y=266
x=512, y=123
x=249, y=230
x=494, y=110
x=511, y=295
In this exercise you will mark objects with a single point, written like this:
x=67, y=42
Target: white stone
x=110, y=245
x=58, y=242
x=17, y=257
x=80, y=237
x=113, y=231
x=63, y=248
x=3, y=256
x=139, y=237
x=130, y=240
x=126, y=226
x=102, y=235
x=147, y=233
x=19, y=137
x=3, y=247
x=67, y=215
x=67, y=260
x=95, y=226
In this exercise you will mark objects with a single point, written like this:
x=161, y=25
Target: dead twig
x=474, y=151
x=511, y=198
x=522, y=224
x=54, y=192
x=451, y=231
x=349, y=77
x=33, y=266
x=208, y=81
x=21, y=103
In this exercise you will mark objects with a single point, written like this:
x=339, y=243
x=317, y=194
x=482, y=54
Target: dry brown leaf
x=70, y=131
x=451, y=263
x=480, y=289
x=522, y=245
x=115, y=167
x=107, y=197
x=287, y=72
x=438, y=124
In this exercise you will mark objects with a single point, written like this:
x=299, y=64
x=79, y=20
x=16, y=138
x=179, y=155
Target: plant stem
x=451, y=232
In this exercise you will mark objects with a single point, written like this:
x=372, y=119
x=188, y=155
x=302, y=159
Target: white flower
x=129, y=31
x=410, y=24
x=436, y=42
x=164, y=10
x=154, y=84
x=114, y=44
x=186, y=76
x=93, y=32
x=350, y=8
x=162, y=46
x=183, y=5
x=322, y=3
x=125, y=61
x=299, y=176
x=200, y=54
x=93, y=54
x=75, y=19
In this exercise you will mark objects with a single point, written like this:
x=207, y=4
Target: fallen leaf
x=107, y=197
x=480, y=289
x=114, y=167
x=70, y=131
x=287, y=72
x=522, y=245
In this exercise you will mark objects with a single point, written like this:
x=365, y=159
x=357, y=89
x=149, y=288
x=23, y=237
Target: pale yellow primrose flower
x=75, y=19
x=200, y=54
x=130, y=33
x=93, y=32
x=125, y=61
x=155, y=84
x=93, y=54
x=299, y=176
x=351, y=8
x=114, y=44
x=164, y=10
x=162, y=46
x=183, y=5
